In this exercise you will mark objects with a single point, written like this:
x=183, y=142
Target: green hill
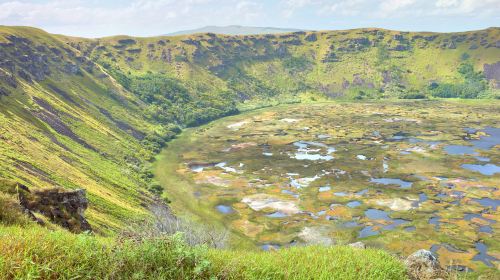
x=93, y=113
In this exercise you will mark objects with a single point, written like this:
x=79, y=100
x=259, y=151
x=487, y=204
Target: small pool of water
x=351, y=224
x=410, y=228
x=277, y=214
x=483, y=255
x=483, y=143
x=301, y=182
x=321, y=213
x=483, y=159
x=353, y=204
x=305, y=152
x=392, y=181
x=375, y=214
x=296, y=195
x=486, y=229
x=460, y=150
x=306, y=156
x=224, y=209
x=415, y=140
x=268, y=247
x=398, y=138
x=199, y=167
x=422, y=197
x=441, y=195
x=367, y=232
x=488, y=141
x=487, y=169
x=385, y=166
x=222, y=165
x=362, y=192
x=395, y=223
x=324, y=189
x=340, y=194
x=361, y=157
x=434, y=248
x=435, y=221
x=470, y=216
x=488, y=202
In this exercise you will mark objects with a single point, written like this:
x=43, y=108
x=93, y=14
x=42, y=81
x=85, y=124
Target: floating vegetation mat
x=401, y=175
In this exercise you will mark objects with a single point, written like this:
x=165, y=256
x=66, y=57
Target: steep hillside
x=65, y=122
x=92, y=113
x=361, y=63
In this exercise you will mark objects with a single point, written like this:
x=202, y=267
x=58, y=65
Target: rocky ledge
x=63, y=207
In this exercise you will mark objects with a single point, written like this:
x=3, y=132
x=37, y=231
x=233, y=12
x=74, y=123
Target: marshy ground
x=396, y=175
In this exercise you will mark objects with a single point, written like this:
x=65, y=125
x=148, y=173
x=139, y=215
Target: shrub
x=474, y=85
x=165, y=223
x=156, y=189
x=413, y=95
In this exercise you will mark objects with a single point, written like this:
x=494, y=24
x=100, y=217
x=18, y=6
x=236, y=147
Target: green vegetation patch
x=36, y=253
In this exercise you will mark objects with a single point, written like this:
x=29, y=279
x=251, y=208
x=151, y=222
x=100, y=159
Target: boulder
x=423, y=264
x=63, y=207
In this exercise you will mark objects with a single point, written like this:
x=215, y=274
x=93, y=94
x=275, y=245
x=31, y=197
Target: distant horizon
x=171, y=34
x=146, y=18
x=317, y=30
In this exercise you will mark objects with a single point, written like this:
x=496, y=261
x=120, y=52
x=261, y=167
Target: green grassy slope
x=64, y=122
x=91, y=113
x=35, y=253
x=381, y=63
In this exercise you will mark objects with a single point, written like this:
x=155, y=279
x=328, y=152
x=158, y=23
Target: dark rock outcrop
x=400, y=48
x=62, y=207
x=52, y=118
x=311, y=37
x=127, y=42
x=492, y=72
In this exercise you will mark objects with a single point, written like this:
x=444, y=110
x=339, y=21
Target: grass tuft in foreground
x=38, y=253
x=311, y=262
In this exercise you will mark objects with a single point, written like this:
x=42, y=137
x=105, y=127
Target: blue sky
x=92, y=18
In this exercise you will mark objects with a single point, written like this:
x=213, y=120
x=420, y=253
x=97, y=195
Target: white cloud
x=345, y=7
x=89, y=18
x=389, y=7
x=446, y=3
x=249, y=10
x=468, y=7
x=149, y=17
x=291, y=6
